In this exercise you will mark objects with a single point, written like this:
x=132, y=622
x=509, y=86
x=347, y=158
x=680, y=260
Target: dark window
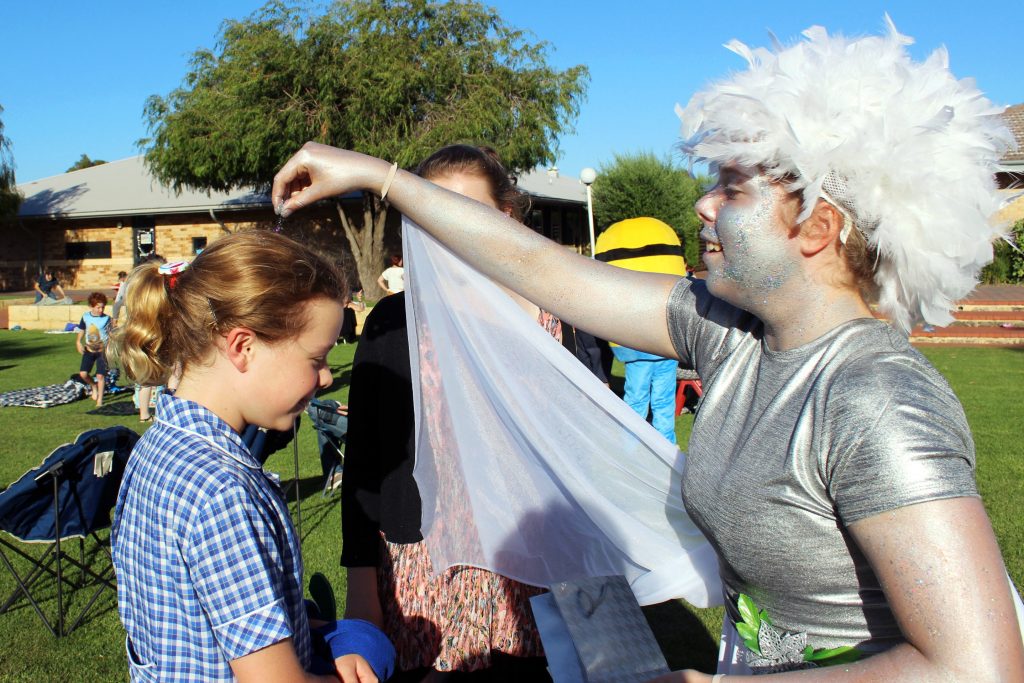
x=573, y=229
x=78, y=251
x=537, y=220
x=198, y=244
x=555, y=232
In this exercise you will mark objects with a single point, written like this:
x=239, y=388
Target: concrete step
x=980, y=335
x=972, y=305
x=988, y=317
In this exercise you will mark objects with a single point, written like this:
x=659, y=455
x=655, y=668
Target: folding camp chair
x=331, y=429
x=69, y=496
x=688, y=379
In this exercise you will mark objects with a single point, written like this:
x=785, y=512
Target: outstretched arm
x=579, y=290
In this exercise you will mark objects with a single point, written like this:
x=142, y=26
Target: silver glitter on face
x=756, y=255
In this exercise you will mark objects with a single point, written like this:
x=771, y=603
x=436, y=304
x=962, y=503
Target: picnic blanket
x=57, y=394
x=45, y=396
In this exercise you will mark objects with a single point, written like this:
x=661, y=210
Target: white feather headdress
x=912, y=149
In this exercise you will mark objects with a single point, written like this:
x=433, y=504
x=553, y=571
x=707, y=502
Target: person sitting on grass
x=208, y=563
x=91, y=342
x=45, y=286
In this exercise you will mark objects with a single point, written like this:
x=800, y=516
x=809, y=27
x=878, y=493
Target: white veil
x=526, y=464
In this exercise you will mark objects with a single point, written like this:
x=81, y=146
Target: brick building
x=1011, y=167
x=87, y=225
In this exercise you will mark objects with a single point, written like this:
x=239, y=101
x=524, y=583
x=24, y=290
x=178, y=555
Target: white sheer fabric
x=526, y=464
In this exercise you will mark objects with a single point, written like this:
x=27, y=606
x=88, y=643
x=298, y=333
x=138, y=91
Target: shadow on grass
x=316, y=507
x=341, y=380
x=310, y=489
x=682, y=636
x=14, y=349
x=79, y=587
x=315, y=514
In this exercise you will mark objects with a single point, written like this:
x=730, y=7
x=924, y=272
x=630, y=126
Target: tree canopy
x=10, y=198
x=84, y=162
x=641, y=184
x=393, y=78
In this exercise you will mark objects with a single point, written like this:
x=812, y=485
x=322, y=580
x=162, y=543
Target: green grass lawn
x=990, y=382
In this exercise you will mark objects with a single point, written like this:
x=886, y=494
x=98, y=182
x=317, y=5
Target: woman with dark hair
x=467, y=623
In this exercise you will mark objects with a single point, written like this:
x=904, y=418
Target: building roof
x=121, y=188
x=126, y=188
x=1015, y=120
x=548, y=184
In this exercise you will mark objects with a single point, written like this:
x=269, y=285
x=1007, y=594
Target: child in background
x=121, y=277
x=209, y=571
x=91, y=342
x=392, y=280
x=143, y=394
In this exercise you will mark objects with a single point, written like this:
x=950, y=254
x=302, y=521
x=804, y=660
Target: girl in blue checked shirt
x=208, y=563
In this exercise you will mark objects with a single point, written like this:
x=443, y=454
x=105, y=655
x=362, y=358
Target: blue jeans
x=651, y=383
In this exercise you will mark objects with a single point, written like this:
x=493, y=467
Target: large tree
x=641, y=184
x=393, y=78
x=10, y=198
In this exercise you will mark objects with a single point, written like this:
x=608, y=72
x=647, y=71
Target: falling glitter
x=279, y=225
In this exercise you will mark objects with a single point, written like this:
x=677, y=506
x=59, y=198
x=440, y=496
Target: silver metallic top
x=789, y=448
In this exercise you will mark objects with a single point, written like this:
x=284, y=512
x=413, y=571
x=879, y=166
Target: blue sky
x=76, y=74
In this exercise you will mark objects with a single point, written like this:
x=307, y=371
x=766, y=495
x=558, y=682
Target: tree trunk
x=366, y=242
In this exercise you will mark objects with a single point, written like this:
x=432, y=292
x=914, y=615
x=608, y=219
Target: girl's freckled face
x=756, y=257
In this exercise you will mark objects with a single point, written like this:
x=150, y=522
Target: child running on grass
x=91, y=342
x=209, y=571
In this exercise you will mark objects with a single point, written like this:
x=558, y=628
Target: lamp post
x=587, y=177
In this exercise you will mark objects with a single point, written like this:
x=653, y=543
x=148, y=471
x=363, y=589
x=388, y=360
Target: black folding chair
x=69, y=496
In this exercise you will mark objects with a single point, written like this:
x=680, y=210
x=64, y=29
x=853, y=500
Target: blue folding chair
x=69, y=496
x=331, y=432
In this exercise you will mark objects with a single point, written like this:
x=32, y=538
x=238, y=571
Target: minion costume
x=647, y=245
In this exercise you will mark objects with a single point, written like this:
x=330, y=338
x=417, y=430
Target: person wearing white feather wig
x=830, y=464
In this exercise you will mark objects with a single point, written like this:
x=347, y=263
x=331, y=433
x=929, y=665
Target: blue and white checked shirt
x=208, y=563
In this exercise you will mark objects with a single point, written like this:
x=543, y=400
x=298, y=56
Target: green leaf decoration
x=749, y=636
x=748, y=611
x=833, y=656
x=749, y=630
